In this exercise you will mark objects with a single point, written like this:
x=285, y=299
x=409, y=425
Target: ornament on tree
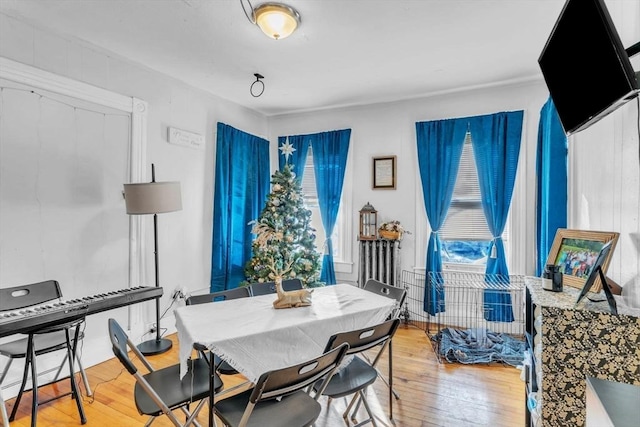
x=284, y=246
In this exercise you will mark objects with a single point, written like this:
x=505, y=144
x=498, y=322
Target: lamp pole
x=159, y=345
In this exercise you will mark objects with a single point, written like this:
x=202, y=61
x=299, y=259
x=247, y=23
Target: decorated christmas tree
x=285, y=241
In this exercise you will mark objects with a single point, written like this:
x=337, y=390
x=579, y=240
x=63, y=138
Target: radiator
x=380, y=260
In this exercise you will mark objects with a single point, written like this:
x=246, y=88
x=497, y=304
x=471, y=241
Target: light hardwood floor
x=431, y=393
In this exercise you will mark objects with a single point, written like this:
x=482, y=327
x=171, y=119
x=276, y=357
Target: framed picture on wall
x=576, y=251
x=384, y=172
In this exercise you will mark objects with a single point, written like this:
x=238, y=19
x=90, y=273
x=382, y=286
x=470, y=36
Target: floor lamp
x=145, y=199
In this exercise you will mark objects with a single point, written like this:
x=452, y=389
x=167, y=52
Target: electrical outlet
x=179, y=293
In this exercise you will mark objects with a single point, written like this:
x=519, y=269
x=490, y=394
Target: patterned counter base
x=577, y=343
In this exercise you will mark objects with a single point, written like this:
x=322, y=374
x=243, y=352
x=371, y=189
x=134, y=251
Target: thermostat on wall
x=185, y=138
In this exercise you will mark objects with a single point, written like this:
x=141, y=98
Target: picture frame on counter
x=576, y=251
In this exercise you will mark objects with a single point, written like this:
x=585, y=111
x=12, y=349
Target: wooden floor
x=431, y=393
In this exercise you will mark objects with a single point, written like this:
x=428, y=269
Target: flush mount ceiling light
x=276, y=20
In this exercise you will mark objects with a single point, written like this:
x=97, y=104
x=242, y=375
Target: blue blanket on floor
x=480, y=346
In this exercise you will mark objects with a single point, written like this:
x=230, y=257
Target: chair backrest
x=363, y=339
x=27, y=295
x=282, y=382
x=119, y=344
x=240, y=292
x=399, y=294
x=266, y=288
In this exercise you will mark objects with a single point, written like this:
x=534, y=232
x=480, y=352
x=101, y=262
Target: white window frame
x=344, y=245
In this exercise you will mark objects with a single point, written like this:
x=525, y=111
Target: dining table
x=254, y=337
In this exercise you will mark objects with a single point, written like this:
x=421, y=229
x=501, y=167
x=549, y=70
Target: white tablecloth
x=255, y=338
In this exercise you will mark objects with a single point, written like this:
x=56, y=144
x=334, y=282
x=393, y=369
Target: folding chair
x=389, y=291
x=240, y=292
x=266, y=288
x=280, y=397
x=399, y=294
x=162, y=391
x=63, y=335
x=358, y=374
x=221, y=366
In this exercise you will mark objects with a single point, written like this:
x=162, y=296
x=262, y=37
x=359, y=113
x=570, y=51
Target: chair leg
x=3, y=410
x=6, y=370
x=353, y=400
x=384, y=380
x=191, y=416
x=3, y=407
x=83, y=374
x=388, y=382
x=25, y=375
x=390, y=353
x=59, y=371
x=368, y=409
x=71, y=354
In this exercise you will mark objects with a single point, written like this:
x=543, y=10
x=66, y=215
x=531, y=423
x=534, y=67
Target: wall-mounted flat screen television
x=585, y=66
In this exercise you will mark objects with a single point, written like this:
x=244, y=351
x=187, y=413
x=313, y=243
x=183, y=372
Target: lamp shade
x=152, y=198
x=276, y=20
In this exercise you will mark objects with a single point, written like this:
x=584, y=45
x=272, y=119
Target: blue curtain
x=551, y=179
x=330, y=150
x=241, y=187
x=298, y=158
x=496, y=146
x=439, y=149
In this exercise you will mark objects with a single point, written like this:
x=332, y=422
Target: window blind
x=465, y=218
x=309, y=189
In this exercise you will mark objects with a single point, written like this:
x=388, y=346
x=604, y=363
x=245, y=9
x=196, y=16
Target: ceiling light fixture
x=276, y=20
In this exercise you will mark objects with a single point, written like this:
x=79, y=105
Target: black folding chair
x=266, y=288
x=280, y=397
x=161, y=391
x=62, y=335
x=360, y=373
x=398, y=294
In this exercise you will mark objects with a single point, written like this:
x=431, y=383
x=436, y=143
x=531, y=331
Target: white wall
x=389, y=129
x=185, y=236
x=604, y=167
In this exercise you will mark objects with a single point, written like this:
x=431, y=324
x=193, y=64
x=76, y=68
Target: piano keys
x=35, y=317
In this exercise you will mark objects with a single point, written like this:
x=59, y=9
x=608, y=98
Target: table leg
x=390, y=380
x=212, y=387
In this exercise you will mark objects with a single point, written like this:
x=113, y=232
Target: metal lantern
x=368, y=223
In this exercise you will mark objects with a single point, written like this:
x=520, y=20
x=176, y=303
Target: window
x=310, y=193
x=465, y=235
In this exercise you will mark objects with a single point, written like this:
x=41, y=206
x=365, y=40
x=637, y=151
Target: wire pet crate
x=469, y=317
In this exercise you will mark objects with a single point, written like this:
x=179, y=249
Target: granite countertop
x=568, y=297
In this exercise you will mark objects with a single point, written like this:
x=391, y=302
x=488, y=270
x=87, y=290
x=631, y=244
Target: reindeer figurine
x=289, y=299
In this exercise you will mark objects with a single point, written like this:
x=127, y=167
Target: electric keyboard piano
x=36, y=317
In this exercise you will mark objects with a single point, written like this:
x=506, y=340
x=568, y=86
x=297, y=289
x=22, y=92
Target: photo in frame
x=384, y=172
x=576, y=251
